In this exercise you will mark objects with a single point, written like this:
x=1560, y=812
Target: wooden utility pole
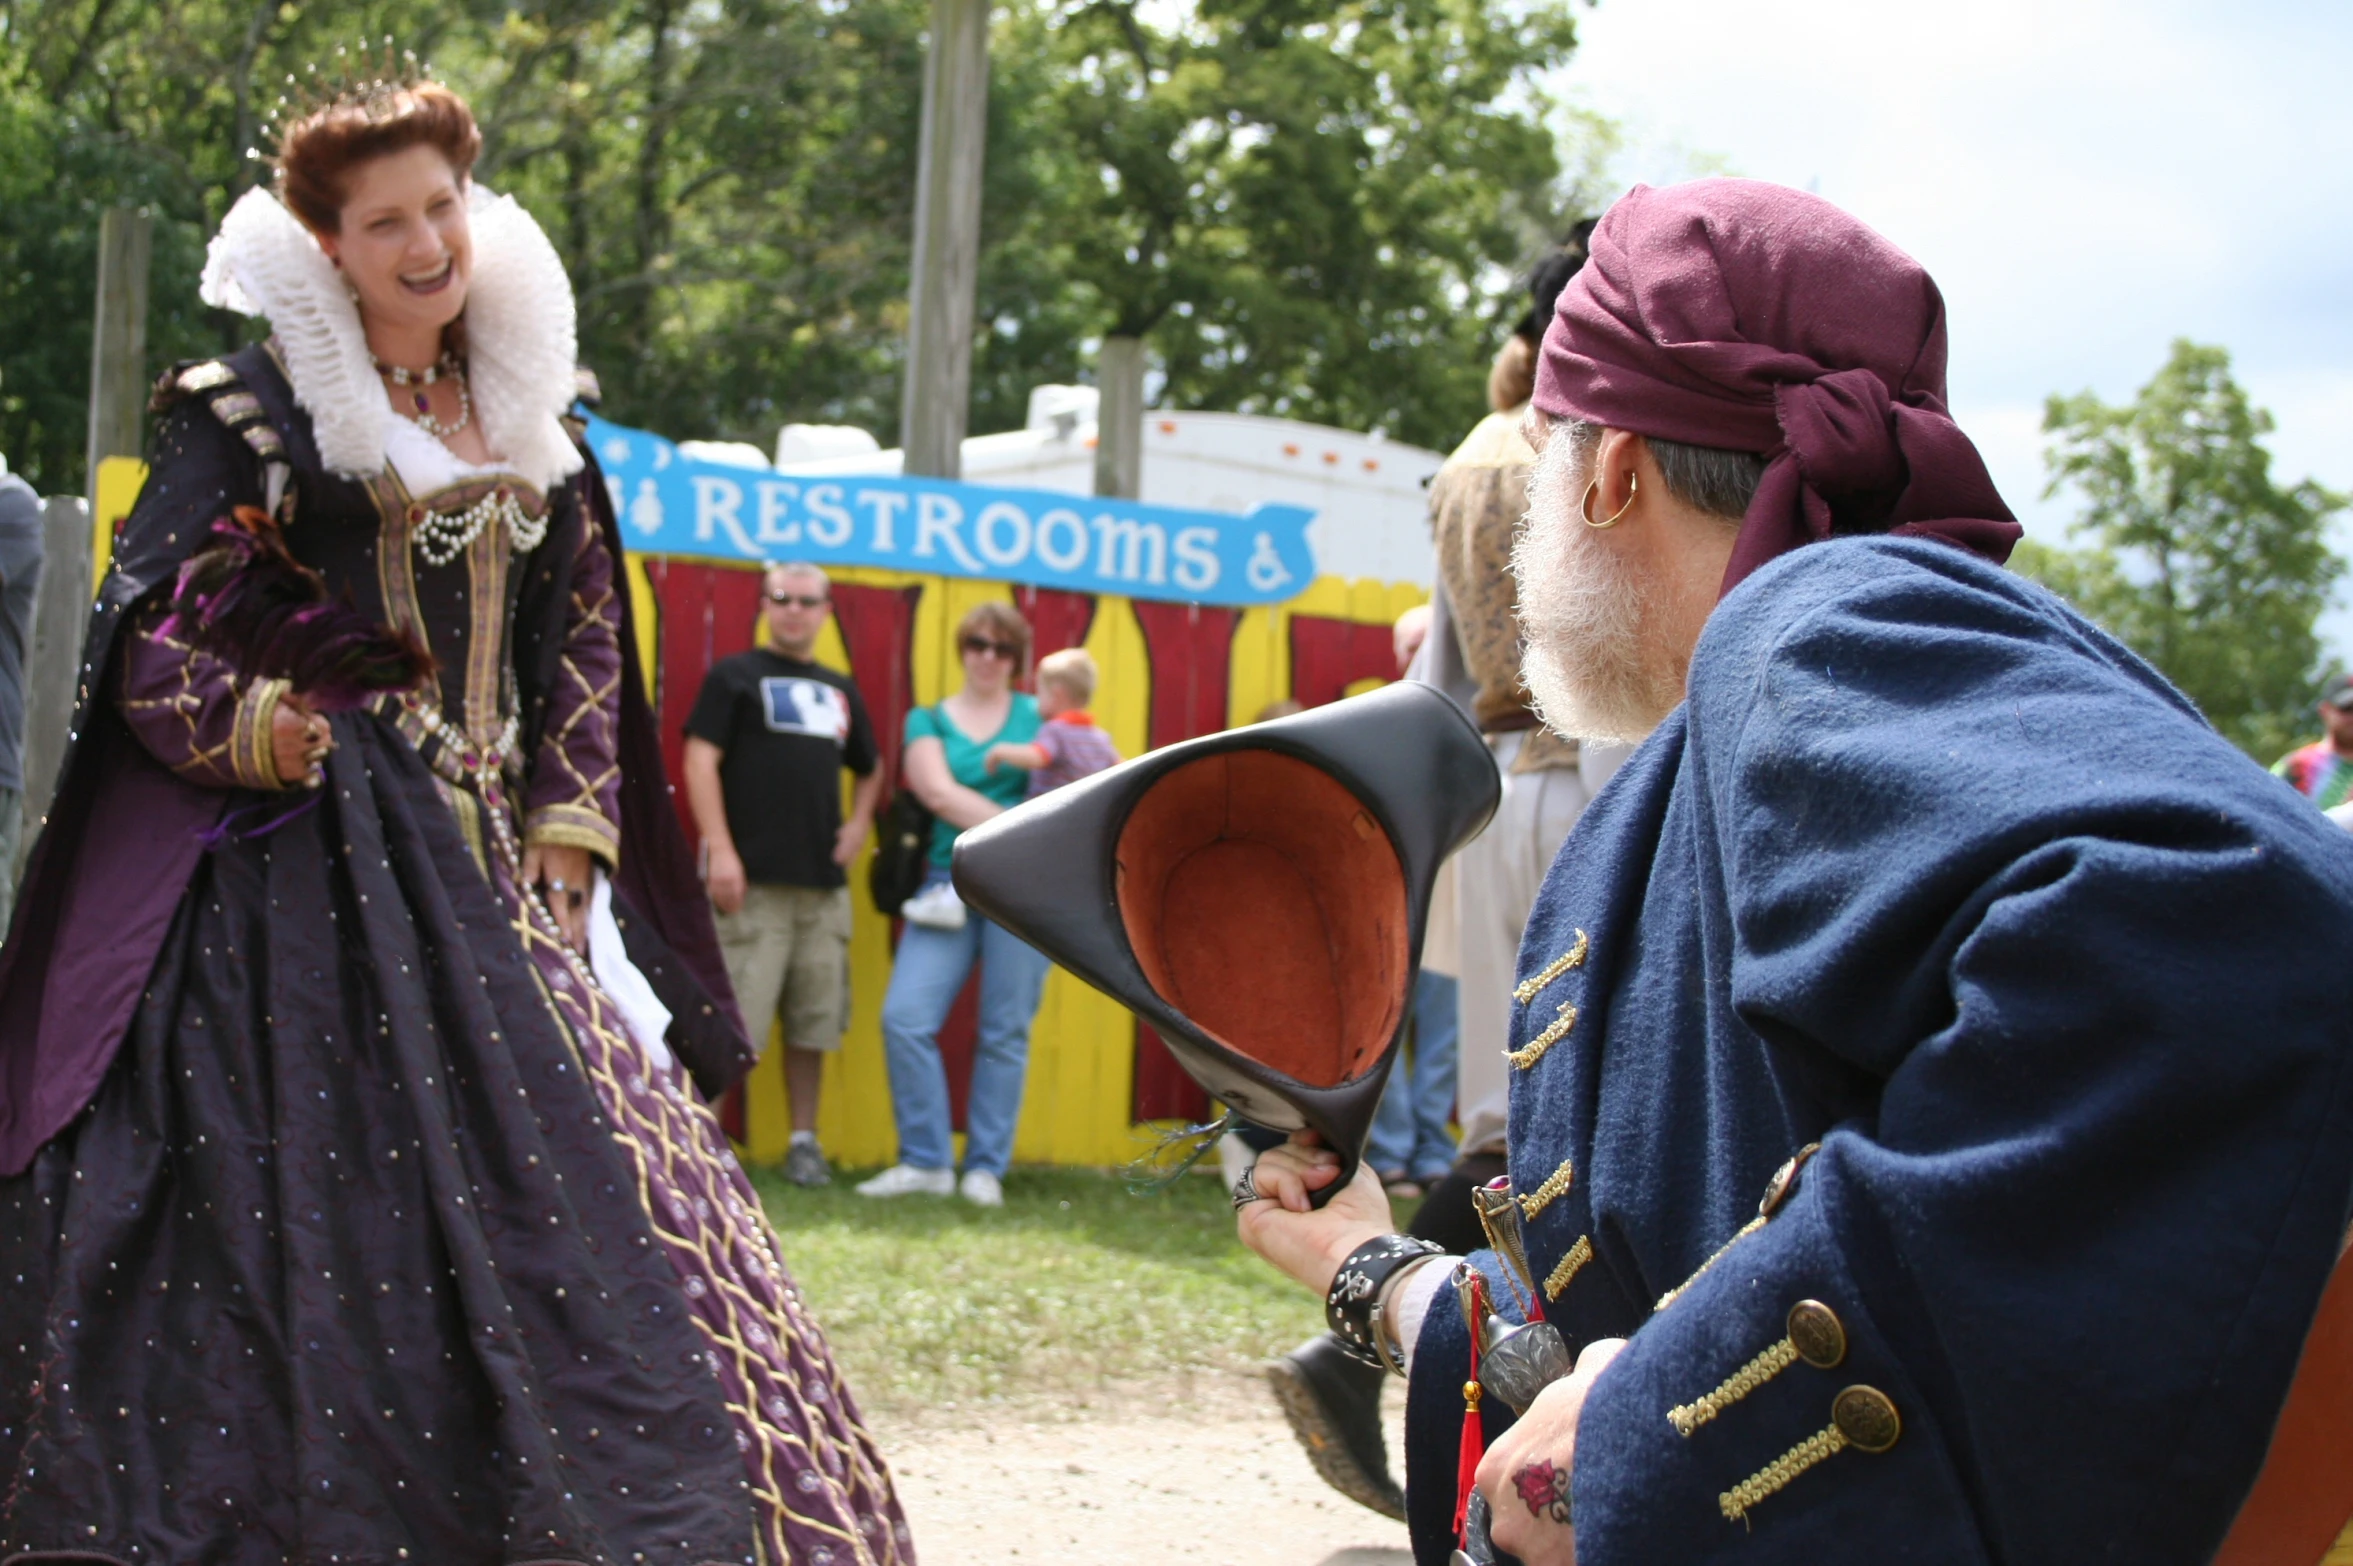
x=938, y=392
x=118, y=340
x=1119, y=418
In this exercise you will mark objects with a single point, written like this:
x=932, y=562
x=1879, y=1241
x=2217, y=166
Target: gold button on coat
x=1867, y=1418
x=1817, y=1334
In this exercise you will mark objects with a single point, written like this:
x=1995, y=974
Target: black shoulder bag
x=902, y=848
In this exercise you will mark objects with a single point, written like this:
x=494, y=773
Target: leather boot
x=1334, y=1405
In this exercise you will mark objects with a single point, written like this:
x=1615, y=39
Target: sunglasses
x=799, y=600
x=1011, y=651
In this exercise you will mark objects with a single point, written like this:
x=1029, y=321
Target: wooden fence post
x=1119, y=417
x=118, y=422
x=53, y=663
x=937, y=395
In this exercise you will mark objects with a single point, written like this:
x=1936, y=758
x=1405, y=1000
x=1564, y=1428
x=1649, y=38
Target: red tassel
x=1474, y=1429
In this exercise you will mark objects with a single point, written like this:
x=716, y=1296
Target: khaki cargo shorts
x=788, y=956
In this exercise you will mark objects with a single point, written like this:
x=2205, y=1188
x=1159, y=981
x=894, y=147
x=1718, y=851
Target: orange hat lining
x=1267, y=904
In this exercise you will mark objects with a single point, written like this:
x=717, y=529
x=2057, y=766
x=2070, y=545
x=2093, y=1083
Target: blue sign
x=673, y=504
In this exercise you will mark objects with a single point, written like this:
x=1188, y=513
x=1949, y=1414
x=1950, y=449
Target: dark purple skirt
x=349, y=1261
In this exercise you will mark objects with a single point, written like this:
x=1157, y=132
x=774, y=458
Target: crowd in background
x=770, y=735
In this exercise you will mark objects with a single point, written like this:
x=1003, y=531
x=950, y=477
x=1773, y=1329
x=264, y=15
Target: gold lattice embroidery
x=1534, y=1052
x=585, y=731
x=1775, y=1476
x=1569, y=1266
x=1529, y=989
x=674, y=1142
x=1675, y=1293
x=1556, y=1184
x=243, y=756
x=1688, y=1417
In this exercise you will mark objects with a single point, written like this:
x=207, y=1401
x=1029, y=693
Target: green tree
x=2196, y=557
x=1311, y=210
x=729, y=186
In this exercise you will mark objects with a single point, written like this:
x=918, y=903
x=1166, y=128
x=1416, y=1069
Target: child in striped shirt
x=1071, y=744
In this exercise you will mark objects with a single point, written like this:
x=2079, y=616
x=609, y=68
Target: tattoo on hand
x=1545, y=1489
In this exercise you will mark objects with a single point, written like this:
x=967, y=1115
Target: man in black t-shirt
x=766, y=743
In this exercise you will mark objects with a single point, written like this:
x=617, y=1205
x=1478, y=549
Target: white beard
x=1591, y=658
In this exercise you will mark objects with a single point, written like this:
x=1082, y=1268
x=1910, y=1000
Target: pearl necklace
x=447, y=364
x=442, y=536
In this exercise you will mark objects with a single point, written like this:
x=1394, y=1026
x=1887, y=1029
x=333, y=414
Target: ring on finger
x=1246, y=1189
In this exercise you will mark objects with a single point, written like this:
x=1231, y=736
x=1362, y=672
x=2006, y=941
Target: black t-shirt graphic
x=786, y=729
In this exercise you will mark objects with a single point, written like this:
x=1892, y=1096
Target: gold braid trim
x=1775, y=1476
x=1570, y=1265
x=574, y=826
x=1690, y=1416
x=1555, y=1184
x=1675, y=1293
x=1524, y=1058
x=1529, y=989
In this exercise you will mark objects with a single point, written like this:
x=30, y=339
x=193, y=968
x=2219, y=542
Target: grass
x=1075, y=1286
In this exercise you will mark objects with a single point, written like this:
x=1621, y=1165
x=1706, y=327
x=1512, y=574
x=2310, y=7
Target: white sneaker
x=981, y=1189
x=936, y=907
x=907, y=1180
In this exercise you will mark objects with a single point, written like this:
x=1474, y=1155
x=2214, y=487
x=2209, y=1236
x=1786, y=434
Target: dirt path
x=1206, y=1472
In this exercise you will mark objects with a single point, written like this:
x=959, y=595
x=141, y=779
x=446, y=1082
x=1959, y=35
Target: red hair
x=319, y=151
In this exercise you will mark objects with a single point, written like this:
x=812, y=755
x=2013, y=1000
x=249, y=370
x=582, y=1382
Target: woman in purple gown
x=357, y=1199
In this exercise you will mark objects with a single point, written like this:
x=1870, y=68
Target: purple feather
x=247, y=599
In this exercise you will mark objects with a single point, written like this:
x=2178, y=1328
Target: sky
x=2086, y=180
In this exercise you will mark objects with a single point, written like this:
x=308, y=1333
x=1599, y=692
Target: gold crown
x=355, y=76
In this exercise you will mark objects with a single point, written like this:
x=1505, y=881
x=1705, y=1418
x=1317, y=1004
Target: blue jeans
x=926, y=977
x=1409, y=1130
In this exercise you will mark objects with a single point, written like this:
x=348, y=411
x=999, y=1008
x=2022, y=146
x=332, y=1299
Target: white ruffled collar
x=522, y=337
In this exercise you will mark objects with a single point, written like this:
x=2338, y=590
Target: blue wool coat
x=1933, y=878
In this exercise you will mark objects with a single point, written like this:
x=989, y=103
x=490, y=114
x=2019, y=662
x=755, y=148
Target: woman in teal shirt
x=945, y=764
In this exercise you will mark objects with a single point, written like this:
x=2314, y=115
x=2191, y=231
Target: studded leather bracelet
x=1352, y=1304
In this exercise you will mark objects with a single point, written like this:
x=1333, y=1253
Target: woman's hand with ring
x=1303, y=1241
x=564, y=873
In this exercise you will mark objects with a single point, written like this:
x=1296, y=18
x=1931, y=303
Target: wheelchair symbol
x=1265, y=570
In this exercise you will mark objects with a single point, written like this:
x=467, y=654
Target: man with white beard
x=1930, y=1130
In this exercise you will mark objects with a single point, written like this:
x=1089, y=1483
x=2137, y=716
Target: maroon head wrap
x=1751, y=317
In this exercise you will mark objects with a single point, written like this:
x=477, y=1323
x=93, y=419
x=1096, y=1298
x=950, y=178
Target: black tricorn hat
x=1257, y=896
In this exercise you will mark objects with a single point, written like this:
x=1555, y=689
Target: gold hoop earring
x=1585, y=505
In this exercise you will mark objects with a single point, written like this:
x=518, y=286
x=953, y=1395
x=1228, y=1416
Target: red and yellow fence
x=1169, y=672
